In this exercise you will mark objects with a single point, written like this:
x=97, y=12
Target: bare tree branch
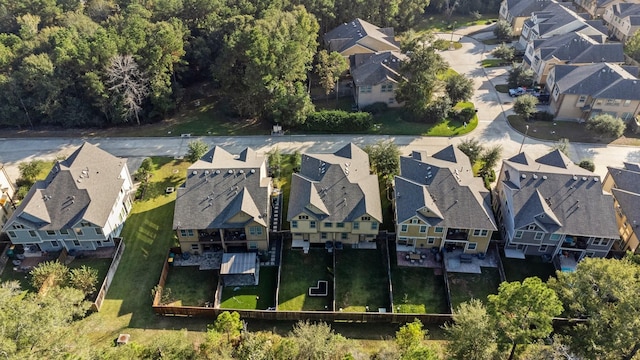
x=129, y=83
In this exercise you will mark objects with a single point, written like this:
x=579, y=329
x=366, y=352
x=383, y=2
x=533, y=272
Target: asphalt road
x=492, y=129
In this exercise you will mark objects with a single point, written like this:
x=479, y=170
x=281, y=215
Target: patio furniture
x=423, y=256
x=414, y=257
x=406, y=257
x=466, y=258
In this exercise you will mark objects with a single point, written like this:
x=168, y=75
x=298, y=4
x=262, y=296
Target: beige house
x=439, y=203
x=556, y=20
x=376, y=77
x=624, y=184
x=81, y=205
x=552, y=208
x=622, y=19
x=360, y=37
x=224, y=203
x=335, y=198
x=7, y=204
x=516, y=12
x=596, y=8
x=581, y=92
x=573, y=48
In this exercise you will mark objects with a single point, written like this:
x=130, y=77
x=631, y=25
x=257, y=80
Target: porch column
x=224, y=245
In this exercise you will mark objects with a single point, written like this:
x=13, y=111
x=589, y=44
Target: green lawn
x=148, y=236
x=464, y=287
x=190, y=286
x=284, y=184
x=487, y=63
x=418, y=290
x=361, y=280
x=520, y=269
x=392, y=122
x=492, y=41
x=299, y=272
x=22, y=277
x=259, y=297
x=555, y=130
x=439, y=23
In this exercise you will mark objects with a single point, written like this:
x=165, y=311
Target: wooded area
x=100, y=63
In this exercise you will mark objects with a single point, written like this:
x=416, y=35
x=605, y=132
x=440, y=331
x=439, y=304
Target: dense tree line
x=76, y=63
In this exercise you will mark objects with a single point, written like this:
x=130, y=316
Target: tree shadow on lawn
x=361, y=280
x=464, y=287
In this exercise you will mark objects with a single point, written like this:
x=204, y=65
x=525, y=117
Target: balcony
x=575, y=242
x=209, y=236
x=457, y=234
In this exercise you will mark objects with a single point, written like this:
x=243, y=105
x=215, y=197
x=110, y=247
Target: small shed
x=239, y=269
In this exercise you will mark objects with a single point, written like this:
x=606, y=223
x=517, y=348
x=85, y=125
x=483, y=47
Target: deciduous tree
x=519, y=76
x=459, y=88
x=196, y=149
x=385, y=159
x=523, y=312
x=604, y=292
x=129, y=87
x=606, y=125
x=504, y=52
x=525, y=106
x=318, y=341
x=472, y=148
x=228, y=323
x=503, y=30
x=471, y=318
x=84, y=279
x=329, y=67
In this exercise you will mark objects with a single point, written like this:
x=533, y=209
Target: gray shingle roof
x=221, y=186
x=335, y=187
x=600, y=80
x=630, y=205
x=561, y=196
x=520, y=8
x=577, y=48
x=442, y=191
x=555, y=16
x=85, y=186
x=349, y=34
x=373, y=69
x=626, y=178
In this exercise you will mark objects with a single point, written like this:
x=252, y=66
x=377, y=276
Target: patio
x=425, y=258
x=457, y=261
x=205, y=261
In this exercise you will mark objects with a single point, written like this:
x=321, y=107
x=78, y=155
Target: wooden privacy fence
x=110, y=274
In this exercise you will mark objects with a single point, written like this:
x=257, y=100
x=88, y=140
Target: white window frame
x=472, y=246
x=518, y=234
x=539, y=235
x=404, y=228
x=438, y=229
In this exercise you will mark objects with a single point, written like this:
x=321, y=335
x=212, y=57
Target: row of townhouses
x=545, y=207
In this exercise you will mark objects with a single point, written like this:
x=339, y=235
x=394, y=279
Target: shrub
x=438, y=109
x=441, y=44
x=338, y=121
x=376, y=108
x=587, y=165
x=462, y=115
x=606, y=125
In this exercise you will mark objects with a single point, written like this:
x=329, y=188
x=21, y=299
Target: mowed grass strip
x=260, y=297
x=464, y=287
x=190, y=286
x=418, y=290
x=299, y=272
x=148, y=235
x=361, y=280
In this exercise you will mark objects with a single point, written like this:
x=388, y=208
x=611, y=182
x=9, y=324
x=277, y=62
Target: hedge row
x=338, y=121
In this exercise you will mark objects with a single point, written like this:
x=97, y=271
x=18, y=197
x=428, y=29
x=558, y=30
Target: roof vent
x=584, y=178
x=595, y=179
x=217, y=171
x=253, y=171
x=535, y=176
x=524, y=176
x=206, y=172
x=241, y=171
x=544, y=177
x=194, y=172
x=230, y=171
x=575, y=177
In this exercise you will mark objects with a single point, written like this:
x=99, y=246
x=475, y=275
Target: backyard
x=520, y=269
x=260, y=297
x=300, y=272
x=417, y=290
x=189, y=286
x=464, y=287
x=361, y=280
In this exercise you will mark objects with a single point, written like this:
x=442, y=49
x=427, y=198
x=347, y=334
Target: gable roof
x=559, y=196
x=555, y=16
x=524, y=8
x=84, y=186
x=373, y=69
x=626, y=178
x=335, y=187
x=600, y=80
x=349, y=34
x=221, y=186
x=576, y=48
x=442, y=191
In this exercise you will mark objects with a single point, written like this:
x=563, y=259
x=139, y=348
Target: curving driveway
x=492, y=129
